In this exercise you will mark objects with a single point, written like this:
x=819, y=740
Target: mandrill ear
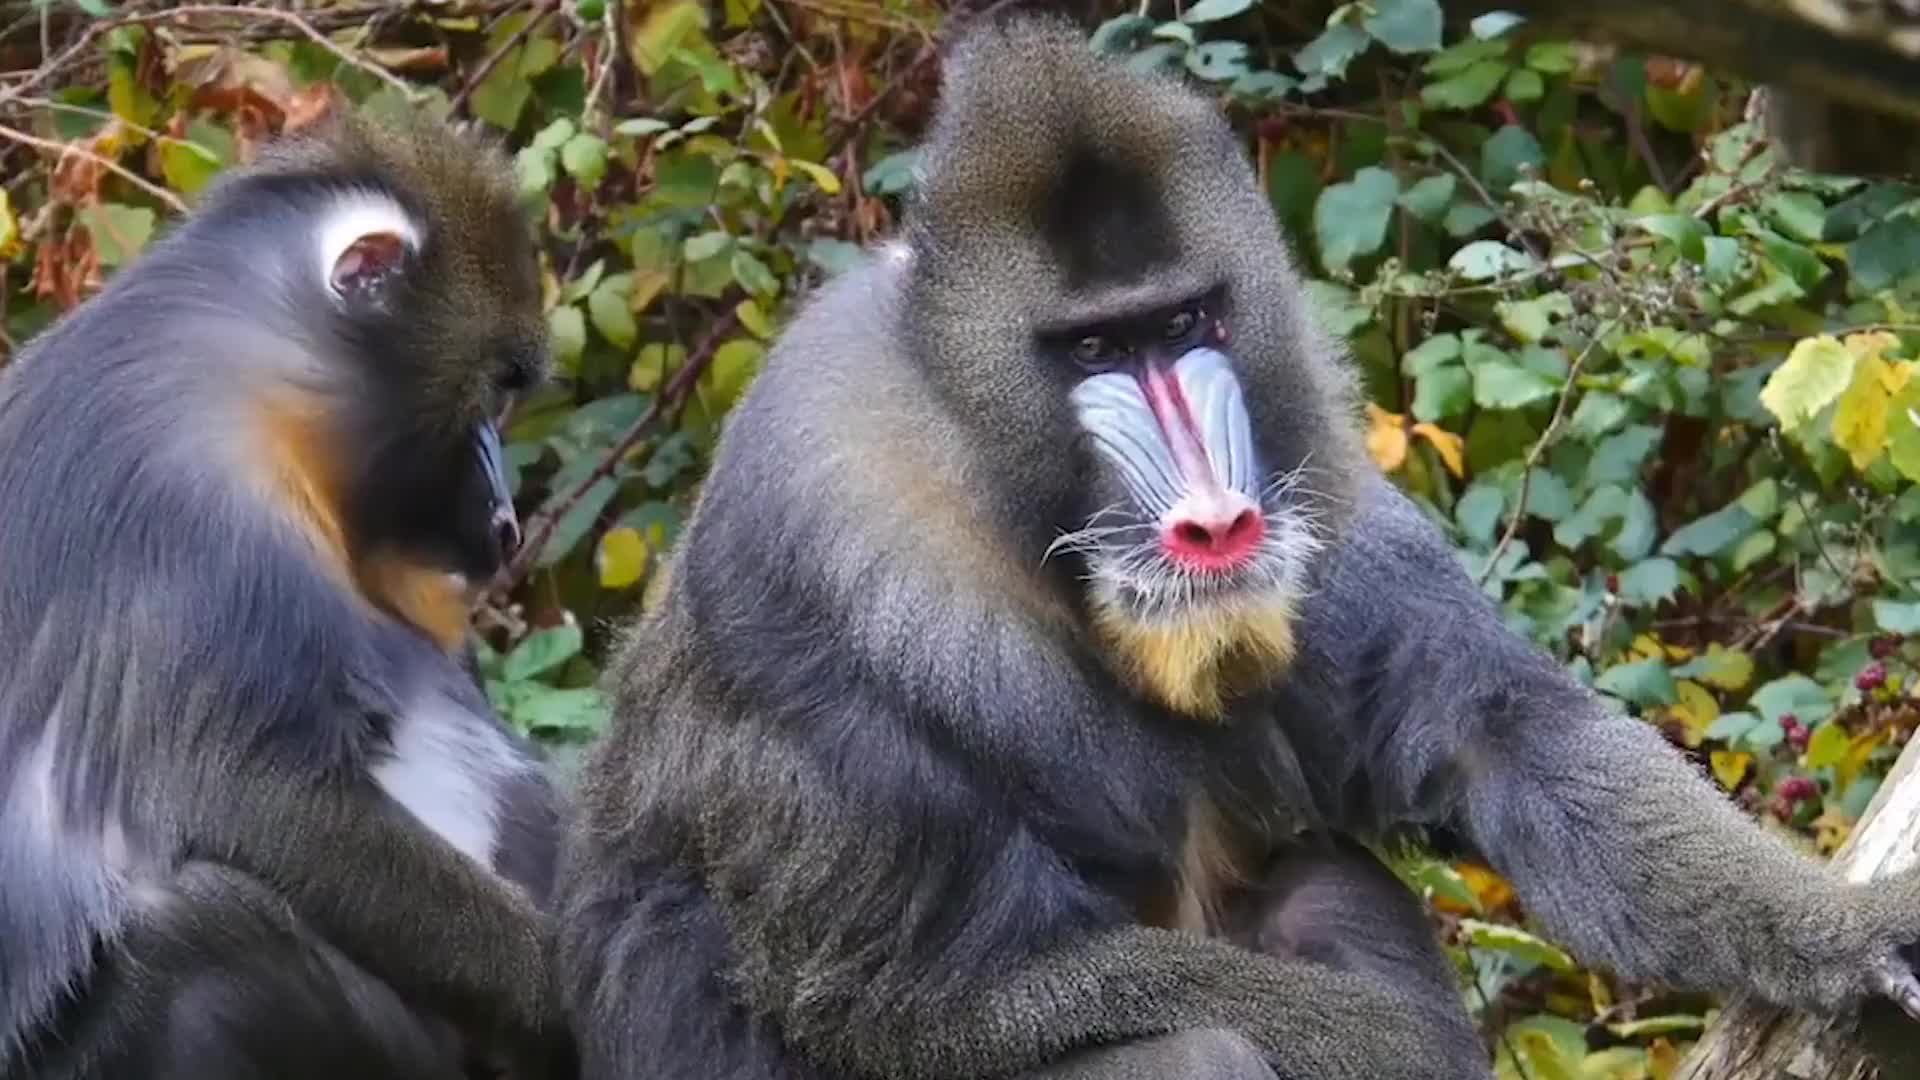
x=366, y=243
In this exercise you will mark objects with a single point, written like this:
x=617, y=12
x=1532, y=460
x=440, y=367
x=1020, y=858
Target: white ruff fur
x=446, y=768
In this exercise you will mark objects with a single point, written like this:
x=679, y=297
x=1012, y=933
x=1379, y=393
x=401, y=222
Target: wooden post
x=1754, y=1041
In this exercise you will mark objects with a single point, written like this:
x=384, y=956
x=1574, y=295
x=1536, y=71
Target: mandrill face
x=1153, y=412
x=1196, y=548
x=1195, y=519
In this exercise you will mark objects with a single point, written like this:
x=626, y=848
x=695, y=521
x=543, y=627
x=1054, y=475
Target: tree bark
x=1864, y=52
x=1755, y=1041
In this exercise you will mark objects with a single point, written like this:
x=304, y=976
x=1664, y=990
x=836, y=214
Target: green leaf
x=1525, y=85
x=1644, y=683
x=1350, y=219
x=1849, y=219
x=1598, y=413
x=1405, y=26
x=573, y=525
x=1683, y=231
x=1885, y=253
x=1428, y=199
x=1794, y=694
x=641, y=126
x=1897, y=617
x=753, y=275
x=585, y=159
x=1517, y=942
x=1500, y=385
x=1552, y=57
x=542, y=651
x=706, y=245
x=539, y=708
x=1619, y=457
x=1466, y=218
x=1732, y=725
x=1207, y=11
x=1799, y=214
x=1650, y=582
x=1493, y=24
x=566, y=333
x=1329, y=54
x=1218, y=61
x=1435, y=352
x=1469, y=89
x=1502, y=156
x=1484, y=260
x=1532, y=320
x=1121, y=34
x=1712, y=534
x=1442, y=393
x=1479, y=512
x=891, y=175
x=1903, y=430
x=608, y=306
x=119, y=231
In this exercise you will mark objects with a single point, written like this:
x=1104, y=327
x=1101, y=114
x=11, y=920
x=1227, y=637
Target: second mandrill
x=257, y=819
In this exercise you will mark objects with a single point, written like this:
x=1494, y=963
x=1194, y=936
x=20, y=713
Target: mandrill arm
x=1622, y=849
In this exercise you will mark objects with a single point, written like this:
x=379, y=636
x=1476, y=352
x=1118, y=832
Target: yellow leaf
x=1827, y=746
x=1730, y=767
x=1815, y=372
x=1599, y=994
x=9, y=228
x=754, y=318
x=1386, y=438
x=1860, y=420
x=822, y=177
x=650, y=366
x=1726, y=669
x=1696, y=710
x=1662, y=1059
x=1450, y=447
x=1855, y=759
x=622, y=557
x=647, y=284
x=653, y=36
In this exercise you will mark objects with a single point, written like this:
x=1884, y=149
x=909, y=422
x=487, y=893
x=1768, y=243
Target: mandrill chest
x=1218, y=863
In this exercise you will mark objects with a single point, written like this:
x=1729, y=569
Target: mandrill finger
x=1891, y=976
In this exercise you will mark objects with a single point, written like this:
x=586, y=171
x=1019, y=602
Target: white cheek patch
x=1208, y=410
x=357, y=214
x=446, y=767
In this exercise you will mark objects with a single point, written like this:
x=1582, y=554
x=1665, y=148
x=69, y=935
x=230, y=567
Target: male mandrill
x=256, y=817
x=903, y=785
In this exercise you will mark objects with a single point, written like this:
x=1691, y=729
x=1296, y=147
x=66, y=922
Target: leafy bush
x=1656, y=383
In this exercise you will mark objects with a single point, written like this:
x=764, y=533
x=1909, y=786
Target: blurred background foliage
x=1654, y=380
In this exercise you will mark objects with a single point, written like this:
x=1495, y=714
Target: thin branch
x=542, y=526
x=541, y=10
x=1539, y=450
x=173, y=201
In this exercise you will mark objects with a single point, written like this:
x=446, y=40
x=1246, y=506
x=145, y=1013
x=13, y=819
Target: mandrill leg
x=216, y=978
x=1325, y=900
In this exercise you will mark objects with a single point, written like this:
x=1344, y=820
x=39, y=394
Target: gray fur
x=194, y=707
x=878, y=804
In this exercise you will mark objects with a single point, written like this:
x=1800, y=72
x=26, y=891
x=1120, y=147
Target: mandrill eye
x=1093, y=351
x=1181, y=324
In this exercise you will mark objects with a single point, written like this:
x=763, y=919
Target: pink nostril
x=1210, y=541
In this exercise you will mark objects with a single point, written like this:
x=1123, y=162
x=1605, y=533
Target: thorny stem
x=541, y=10
x=1539, y=450
x=676, y=390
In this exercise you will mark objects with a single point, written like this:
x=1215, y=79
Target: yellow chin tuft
x=1194, y=663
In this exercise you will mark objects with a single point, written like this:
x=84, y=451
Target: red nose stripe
x=1169, y=405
